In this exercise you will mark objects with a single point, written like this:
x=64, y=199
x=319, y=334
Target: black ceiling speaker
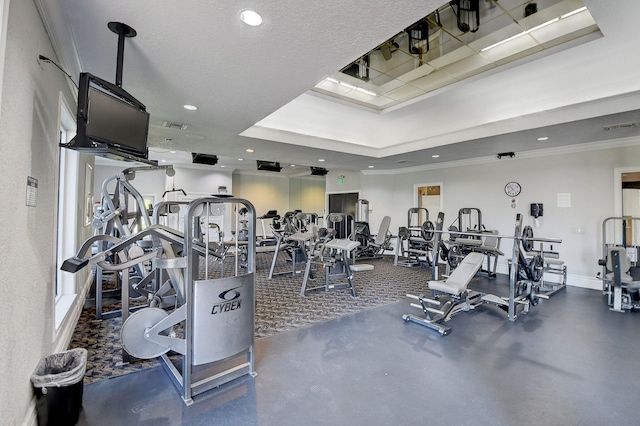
x=318, y=171
x=270, y=166
x=211, y=160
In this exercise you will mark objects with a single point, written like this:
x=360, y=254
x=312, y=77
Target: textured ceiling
x=251, y=84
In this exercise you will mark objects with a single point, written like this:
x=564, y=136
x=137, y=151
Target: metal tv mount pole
x=123, y=30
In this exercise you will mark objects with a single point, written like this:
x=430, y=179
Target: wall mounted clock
x=512, y=189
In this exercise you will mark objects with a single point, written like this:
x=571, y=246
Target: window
x=66, y=288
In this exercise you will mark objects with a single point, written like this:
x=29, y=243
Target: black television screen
x=115, y=122
x=111, y=122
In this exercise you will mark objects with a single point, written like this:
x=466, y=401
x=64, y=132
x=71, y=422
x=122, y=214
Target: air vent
x=620, y=126
x=174, y=125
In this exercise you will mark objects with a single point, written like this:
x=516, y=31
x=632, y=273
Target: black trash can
x=58, y=385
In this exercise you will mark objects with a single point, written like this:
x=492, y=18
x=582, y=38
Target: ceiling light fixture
x=251, y=17
x=249, y=150
x=543, y=138
x=173, y=152
x=240, y=159
x=435, y=156
x=544, y=24
x=566, y=15
x=368, y=92
x=348, y=85
x=321, y=160
x=371, y=167
x=190, y=107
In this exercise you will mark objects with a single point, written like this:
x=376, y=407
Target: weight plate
x=536, y=268
x=427, y=230
x=444, y=252
x=533, y=296
x=527, y=237
x=452, y=256
x=453, y=237
x=134, y=329
x=404, y=232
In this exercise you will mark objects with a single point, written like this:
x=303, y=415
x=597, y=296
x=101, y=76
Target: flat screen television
x=110, y=122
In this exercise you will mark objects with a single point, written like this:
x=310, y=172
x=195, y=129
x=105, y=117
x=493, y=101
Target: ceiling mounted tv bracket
x=123, y=30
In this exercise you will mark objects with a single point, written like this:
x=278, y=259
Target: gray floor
x=570, y=361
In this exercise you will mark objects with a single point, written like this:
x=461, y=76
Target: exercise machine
x=122, y=213
x=620, y=273
x=451, y=295
x=455, y=296
x=335, y=256
x=473, y=237
x=211, y=329
x=373, y=247
x=414, y=241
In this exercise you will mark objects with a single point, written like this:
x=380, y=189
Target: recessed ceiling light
x=173, y=152
x=371, y=167
x=190, y=107
x=293, y=165
x=321, y=159
x=240, y=159
x=435, y=156
x=249, y=150
x=543, y=138
x=163, y=161
x=251, y=17
x=222, y=166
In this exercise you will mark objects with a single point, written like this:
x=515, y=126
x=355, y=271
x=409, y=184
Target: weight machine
x=414, y=241
x=122, y=214
x=620, y=272
x=371, y=247
x=473, y=237
x=451, y=296
x=336, y=256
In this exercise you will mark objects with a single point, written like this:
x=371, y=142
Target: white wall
x=265, y=191
x=28, y=143
x=194, y=181
x=307, y=194
x=587, y=176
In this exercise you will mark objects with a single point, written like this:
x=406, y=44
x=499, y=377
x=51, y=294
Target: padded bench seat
x=457, y=282
x=342, y=244
x=360, y=267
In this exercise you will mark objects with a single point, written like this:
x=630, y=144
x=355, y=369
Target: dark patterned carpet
x=279, y=307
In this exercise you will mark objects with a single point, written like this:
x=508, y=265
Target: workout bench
x=454, y=296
